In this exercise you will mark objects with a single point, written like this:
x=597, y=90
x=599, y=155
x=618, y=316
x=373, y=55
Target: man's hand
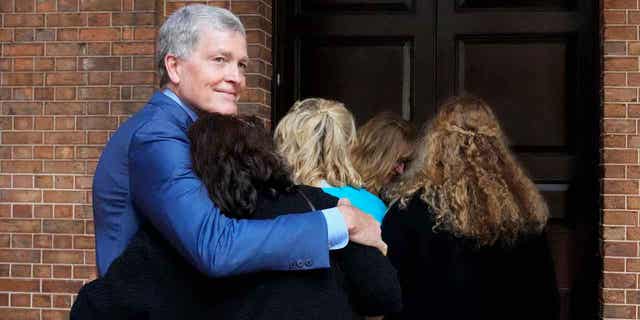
x=363, y=228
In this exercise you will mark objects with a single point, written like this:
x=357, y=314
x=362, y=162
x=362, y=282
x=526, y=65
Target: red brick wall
x=70, y=72
x=621, y=143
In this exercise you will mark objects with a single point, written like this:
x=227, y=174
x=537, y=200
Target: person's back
x=466, y=230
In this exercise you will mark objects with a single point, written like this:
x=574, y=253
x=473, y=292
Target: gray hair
x=179, y=34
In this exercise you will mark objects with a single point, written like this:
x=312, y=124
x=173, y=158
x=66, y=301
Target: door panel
x=534, y=61
x=350, y=70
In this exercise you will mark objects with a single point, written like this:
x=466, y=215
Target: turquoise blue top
x=360, y=198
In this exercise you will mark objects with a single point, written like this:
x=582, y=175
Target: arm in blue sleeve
x=166, y=191
x=337, y=231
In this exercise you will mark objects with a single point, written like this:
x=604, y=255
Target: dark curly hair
x=235, y=158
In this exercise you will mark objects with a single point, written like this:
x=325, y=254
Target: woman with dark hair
x=466, y=230
x=235, y=158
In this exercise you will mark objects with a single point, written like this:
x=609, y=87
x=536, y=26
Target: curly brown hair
x=466, y=172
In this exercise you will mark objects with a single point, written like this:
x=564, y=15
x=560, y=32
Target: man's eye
x=243, y=66
x=219, y=59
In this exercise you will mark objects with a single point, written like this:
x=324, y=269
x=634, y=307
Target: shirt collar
x=167, y=92
x=325, y=184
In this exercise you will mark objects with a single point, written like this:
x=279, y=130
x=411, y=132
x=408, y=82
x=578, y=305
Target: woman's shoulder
x=411, y=211
x=360, y=198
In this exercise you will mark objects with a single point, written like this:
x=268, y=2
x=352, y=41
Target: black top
x=150, y=280
x=446, y=277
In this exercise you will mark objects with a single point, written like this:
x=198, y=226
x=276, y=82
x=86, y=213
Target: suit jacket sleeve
x=166, y=191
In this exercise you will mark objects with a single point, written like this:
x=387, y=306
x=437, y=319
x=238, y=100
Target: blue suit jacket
x=145, y=174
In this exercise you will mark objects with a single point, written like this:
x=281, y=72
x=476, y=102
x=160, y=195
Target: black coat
x=446, y=277
x=150, y=280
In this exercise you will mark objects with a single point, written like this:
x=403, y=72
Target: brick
x=133, y=48
x=125, y=107
x=133, y=19
x=618, y=156
x=99, y=34
x=88, y=153
x=99, y=78
x=22, y=152
x=19, y=225
x=620, y=249
x=17, y=195
x=633, y=234
x=67, y=5
x=22, y=211
x=84, y=272
x=23, y=123
x=63, y=108
x=610, y=80
x=615, y=17
x=64, y=137
x=64, y=152
x=62, y=242
x=19, y=314
x=21, y=241
x=100, y=5
x=64, y=196
x=614, y=233
x=22, y=108
x=24, y=35
x=132, y=77
x=66, y=64
x=24, y=20
x=19, y=255
x=620, y=218
x=634, y=48
x=62, y=256
x=142, y=93
x=98, y=93
x=45, y=35
x=66, y=20
x=23, y=64
x=20, y=300
x=66, y=286
x=63, y=182
x=620, y=187
x=144, y=5
x=97, y=108
x=83, y=212
x=65, y=123
x=21, y=270
x=63, y=226
x=99, y=48
x=41, y=301
x=43, y=211
x=620, y=4
x=63, y=211
x=43, y=152
x=99, y=64
x=65, y=93
x=45, y=5
x=66, y=78
x=619, y=311
x=22, y=79
x=66, y=49
x=61, y=301
x=43, y=94
x=68, y=34
x=21, y=166
x=99, y=19
x=42, y=241
x=44, y=64
x=62, y=272
x=147, y=33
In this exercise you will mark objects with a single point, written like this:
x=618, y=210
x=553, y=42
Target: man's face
x=213, y=76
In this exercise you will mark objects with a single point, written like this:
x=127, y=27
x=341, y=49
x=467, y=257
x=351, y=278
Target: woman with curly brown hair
x=466, y=230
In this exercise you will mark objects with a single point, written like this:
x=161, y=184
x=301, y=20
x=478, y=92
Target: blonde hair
x=383, y=141
x=467, y=173
x=315, y=138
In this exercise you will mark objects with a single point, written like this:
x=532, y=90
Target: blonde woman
x=315, y=138
x=384, y=147
x=466, y=231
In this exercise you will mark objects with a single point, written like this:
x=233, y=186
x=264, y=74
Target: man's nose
x=233, y=73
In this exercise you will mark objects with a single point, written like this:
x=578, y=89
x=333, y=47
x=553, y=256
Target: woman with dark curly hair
x=236, y=159
x=466, y=230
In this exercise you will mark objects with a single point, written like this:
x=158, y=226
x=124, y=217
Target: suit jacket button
x=300, y=263
x=292, y=265
x=308, y=263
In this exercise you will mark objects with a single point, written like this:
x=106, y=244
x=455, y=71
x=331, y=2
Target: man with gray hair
x=145, y=174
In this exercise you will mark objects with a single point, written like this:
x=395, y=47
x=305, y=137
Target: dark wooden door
x=534, y=61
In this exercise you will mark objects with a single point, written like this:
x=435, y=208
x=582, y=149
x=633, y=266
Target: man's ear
x=171, y=65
